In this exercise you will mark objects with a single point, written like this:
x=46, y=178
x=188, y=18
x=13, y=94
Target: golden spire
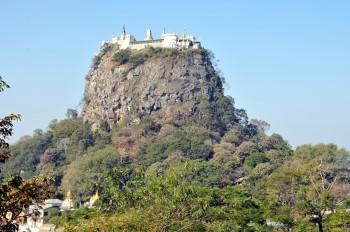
x=69, y=195
x=94, y=198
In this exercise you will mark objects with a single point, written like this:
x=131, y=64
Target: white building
x=32, y=219
x=67, y=204
x=166, y=40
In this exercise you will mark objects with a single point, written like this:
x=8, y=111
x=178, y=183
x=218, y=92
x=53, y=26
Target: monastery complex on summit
x=166, y=40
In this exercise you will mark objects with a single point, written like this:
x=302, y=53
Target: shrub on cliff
x=137, y=57
x=122, y=56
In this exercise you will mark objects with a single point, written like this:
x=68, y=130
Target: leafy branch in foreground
x=17, y=194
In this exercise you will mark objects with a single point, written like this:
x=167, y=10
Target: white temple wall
x=167, y=40
x=139, y=46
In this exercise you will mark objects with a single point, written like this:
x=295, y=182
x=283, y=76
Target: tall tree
x=305, y=188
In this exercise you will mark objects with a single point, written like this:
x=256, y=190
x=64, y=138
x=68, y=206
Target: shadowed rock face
x=168, y=87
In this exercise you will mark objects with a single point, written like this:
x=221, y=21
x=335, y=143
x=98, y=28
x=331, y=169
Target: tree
x=122, y=56
x=307, y=185
x=71, y=114
x=6, y=128
x=86, y=175
x=254, y=159
x=172, y=201
x=261, y=125
x=316, y=198
x=338, y=221
x=15, y=193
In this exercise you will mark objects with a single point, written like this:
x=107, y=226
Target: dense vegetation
x=188, y=178
x=139, y=57
x=214, y=173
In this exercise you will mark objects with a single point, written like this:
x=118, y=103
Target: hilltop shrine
x=166, y=40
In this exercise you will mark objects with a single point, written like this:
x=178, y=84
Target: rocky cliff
x=125, y=87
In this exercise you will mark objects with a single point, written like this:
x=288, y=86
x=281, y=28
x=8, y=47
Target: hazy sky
x=286, y=62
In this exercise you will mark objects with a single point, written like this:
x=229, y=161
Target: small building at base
x=67, y=204
x=32, y=219
x=92, y=200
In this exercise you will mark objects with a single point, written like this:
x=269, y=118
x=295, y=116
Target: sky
x=285, y=62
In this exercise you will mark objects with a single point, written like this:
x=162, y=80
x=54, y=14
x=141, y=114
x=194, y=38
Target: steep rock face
x=169, y=85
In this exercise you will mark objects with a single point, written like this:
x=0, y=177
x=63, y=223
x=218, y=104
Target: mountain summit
x=126, y=86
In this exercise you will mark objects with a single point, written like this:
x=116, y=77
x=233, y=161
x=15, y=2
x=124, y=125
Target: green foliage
x=254, y=159
x=304, y=226
x=74, y=217
x=151, y=52
x=220, y=114
x=122, y=56
x=123, y=188
x=3, y=85
x=47, y=152
x=327, y=152
x=71, y=114
x=184, y=188
x=85, y=175
x=190, y=141
x=307, y=184
x=193, y=226
x=138, y=57
x=225, y=112
x=107, y=47
x=26, y=155
x=338, y=221
x=75, y=129
x=52, y=213
x=221, y=172
x=172, y=203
